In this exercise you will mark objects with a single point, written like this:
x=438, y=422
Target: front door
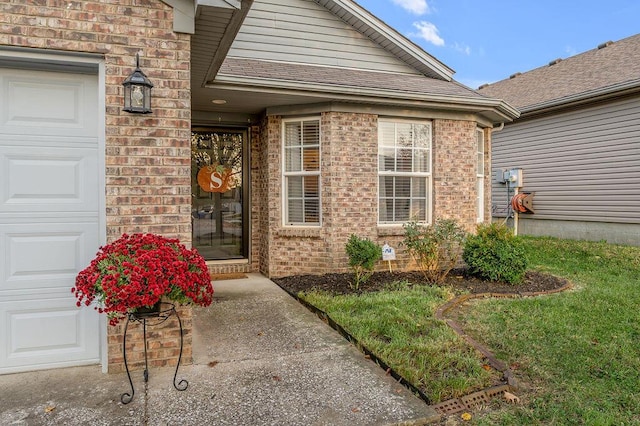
x=219, y=192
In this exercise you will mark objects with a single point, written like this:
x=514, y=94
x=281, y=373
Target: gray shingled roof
x=341, y=77
x=605, y=67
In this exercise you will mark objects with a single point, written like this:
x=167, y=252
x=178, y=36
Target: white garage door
x=49, y=217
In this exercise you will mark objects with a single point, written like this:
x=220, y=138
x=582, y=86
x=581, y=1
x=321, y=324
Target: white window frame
x=480, y=175
x=286, y=174
x=426, y=175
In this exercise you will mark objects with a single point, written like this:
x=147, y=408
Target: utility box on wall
x=513, y=177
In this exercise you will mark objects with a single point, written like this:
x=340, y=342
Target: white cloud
x=570, y=51
x=462, y=48
x=428, y=32
x=418, y=7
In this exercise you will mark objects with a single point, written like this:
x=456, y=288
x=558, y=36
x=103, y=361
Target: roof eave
x=496, y=110
x=590, y=96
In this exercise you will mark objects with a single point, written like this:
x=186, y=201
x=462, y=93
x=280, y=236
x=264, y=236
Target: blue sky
x=487, y=41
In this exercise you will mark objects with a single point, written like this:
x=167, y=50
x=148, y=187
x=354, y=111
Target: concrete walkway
x=260, y=358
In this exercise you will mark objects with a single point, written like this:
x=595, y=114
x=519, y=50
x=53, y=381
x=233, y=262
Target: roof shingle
x=341, y=77
x=609, y=65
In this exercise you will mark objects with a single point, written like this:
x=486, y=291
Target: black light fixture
x=137, y=91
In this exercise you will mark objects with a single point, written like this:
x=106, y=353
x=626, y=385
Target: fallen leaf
x=511, y=398
x=277, y=378
x=388, y=371
x=49, y=408
x=213, y=363
x=486, y=367
x=260, y=333
x=466, y=416
x=355, y=410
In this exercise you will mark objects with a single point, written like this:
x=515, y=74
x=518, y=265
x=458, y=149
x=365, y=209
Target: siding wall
x=583, y=165
x=301, y=31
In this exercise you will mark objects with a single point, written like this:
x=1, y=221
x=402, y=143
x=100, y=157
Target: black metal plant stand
x=166, y=311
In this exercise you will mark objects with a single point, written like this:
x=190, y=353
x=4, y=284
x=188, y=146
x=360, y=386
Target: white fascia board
x=225, y=4
x=359, y=94
x=396, y=38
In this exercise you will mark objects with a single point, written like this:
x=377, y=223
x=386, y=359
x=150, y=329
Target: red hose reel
x=523, y=202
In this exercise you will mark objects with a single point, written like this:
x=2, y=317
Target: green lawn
x=578, y=352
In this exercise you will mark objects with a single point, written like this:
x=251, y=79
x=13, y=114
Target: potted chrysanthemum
x=137, y=271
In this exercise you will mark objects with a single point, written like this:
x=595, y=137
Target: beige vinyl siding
x=584, y=165
x=301, y=31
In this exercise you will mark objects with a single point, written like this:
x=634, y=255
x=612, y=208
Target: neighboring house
x=578, y=143
x=316, y=119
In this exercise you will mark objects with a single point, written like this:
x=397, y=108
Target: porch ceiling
x=215, y=30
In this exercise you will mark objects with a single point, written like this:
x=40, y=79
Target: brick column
x=454, y=172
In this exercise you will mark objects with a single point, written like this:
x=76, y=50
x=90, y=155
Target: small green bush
x=494, y=253
x=436, y=248
x=363, y=254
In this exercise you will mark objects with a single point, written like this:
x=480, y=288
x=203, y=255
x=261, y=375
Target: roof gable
x=329, y=33
x=608, y=69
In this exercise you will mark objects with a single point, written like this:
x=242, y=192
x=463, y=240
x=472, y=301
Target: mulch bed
x=459, y=280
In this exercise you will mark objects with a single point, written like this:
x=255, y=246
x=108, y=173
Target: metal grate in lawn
x=470, y=401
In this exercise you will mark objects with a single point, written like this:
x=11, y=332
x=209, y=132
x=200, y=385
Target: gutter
x=357, y=94
x=589, y=96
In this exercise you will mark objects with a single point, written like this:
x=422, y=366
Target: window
x=404, y=171
x=480, y=174
x=301, y=172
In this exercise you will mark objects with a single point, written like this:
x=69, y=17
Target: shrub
x=435, y=248
x=363, y=254
x=494, y=253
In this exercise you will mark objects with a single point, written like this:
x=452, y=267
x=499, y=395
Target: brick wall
x=454, y=171
x=349, y=167
x=148, y=186
x=350, y=181
x=163, y=343
x=487, y=175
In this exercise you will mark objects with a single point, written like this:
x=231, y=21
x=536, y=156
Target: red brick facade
x=349, y=167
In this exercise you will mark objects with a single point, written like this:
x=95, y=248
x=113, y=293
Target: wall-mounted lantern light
x=137, y=91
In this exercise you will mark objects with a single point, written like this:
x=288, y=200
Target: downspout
x=509, y=209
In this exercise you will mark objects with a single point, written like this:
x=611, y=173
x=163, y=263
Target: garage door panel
x=48, y=331
x=58, y=179
x=32, y=104
x=37, y=258
x=51, y=191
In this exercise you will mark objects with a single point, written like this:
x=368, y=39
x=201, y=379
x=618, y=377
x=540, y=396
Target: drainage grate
x=497, y=391
x=449, y=407
x=475, y=399
x=470, y=401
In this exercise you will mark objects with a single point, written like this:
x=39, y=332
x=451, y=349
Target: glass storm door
x=219, y=190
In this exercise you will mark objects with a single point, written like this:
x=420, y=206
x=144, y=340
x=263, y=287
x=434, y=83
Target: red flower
x=137, y=270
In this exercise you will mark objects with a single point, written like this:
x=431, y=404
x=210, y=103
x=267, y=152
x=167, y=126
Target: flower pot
x=148, y=310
